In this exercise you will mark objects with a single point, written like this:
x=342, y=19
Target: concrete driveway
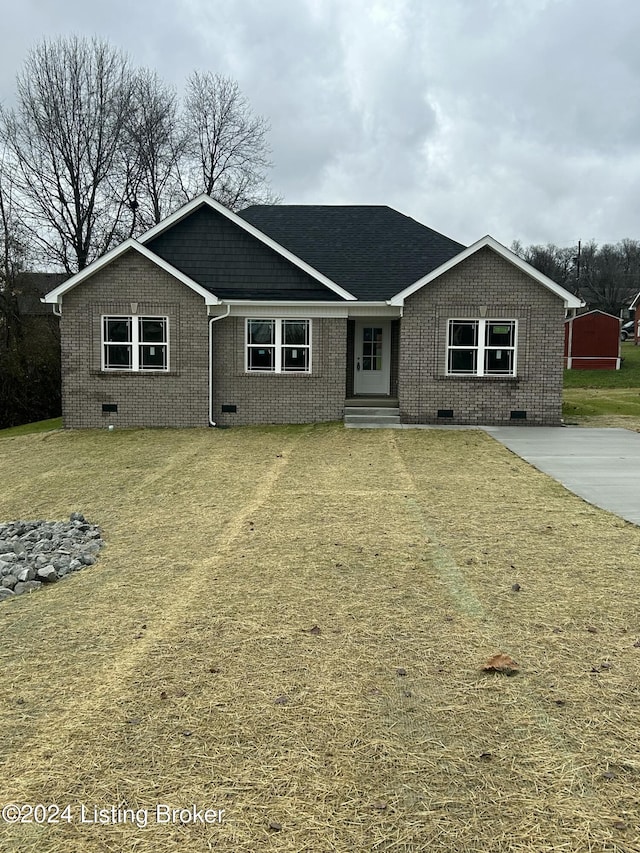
x=600, y=465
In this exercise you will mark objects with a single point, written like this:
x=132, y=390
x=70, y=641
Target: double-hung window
x=135, y=343
x=279, y=346
x=481, y=347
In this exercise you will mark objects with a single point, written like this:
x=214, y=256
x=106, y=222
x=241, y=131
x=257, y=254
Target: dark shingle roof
x=231, y=263
x=373, y=252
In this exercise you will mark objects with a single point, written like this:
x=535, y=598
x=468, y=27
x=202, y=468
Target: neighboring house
x=290, y=314
x=29, y=290
x=592, y=341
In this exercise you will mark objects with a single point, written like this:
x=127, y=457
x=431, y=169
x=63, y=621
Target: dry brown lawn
x=181, y=669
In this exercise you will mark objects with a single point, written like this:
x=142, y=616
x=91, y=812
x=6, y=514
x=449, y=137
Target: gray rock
x=27, y=574
x=5, y=593
x=37, y=552
x=27, y=586
x=48, y=574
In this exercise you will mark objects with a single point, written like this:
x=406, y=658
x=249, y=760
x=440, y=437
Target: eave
x=570, y=301
x=54, y=296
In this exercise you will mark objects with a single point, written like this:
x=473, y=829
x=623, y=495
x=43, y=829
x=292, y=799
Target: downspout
x=213, y=320
x=57, y=306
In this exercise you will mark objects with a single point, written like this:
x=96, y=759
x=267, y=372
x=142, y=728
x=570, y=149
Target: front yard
x=289, y=624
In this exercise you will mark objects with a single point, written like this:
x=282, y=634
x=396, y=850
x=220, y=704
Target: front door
x=372, y=357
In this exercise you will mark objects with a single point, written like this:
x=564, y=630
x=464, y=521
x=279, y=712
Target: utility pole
x=576, y=261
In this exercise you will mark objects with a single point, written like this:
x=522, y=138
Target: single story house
x=294, y=314
x=592, y=341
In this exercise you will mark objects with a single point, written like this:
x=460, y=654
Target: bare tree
x=227, y=153
x=64, y=136
x=100, y=152
x=29, y=346
x=153, y=147
x=607, y=277
x=14, y=252
x=555, y=262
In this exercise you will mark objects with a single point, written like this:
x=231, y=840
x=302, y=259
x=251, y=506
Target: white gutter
x=56, y=305
x=213, y=320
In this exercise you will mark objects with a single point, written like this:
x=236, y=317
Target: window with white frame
x=279, y=346
x=481, y=347
x=135, y=343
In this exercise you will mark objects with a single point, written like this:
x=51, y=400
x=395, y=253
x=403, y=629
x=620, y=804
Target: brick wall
x=279, y=398
x=178, y=398
x=484, y=280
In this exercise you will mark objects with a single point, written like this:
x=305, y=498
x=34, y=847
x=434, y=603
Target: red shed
x=592, y=341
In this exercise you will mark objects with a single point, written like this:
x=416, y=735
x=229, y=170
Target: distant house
x=298, y=314
x=29, y=290
x=24, y=308
x=592, y=341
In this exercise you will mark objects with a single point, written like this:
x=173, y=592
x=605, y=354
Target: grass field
x=290, y=624
x=605, y=397
x=27, y=429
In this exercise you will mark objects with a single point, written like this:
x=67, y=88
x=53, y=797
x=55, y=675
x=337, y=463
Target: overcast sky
x=517, y=118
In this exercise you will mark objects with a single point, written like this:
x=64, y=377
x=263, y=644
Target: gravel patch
x=35, y=553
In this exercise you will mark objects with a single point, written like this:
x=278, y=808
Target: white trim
x=56, y=294
x=278, y=347
x=360, y=384
x=595, y=358
x=135, y=343
x=569, y=299
x=482, y=348
x=594, y=311
x=250, y=229
x=271, y=310
x=571, y=359
x=263, y=307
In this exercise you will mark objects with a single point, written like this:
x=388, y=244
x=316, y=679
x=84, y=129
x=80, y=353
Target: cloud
x=514, y=117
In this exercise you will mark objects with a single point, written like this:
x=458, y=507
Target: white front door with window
x=372, y=357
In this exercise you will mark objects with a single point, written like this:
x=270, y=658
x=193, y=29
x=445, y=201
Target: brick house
x=298, y=314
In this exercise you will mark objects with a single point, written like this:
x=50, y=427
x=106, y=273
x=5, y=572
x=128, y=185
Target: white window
x=135, y=343
x=279, y=346
x=481, y=347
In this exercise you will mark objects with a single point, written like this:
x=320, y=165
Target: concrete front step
x=371, y=416
x=371, y=402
